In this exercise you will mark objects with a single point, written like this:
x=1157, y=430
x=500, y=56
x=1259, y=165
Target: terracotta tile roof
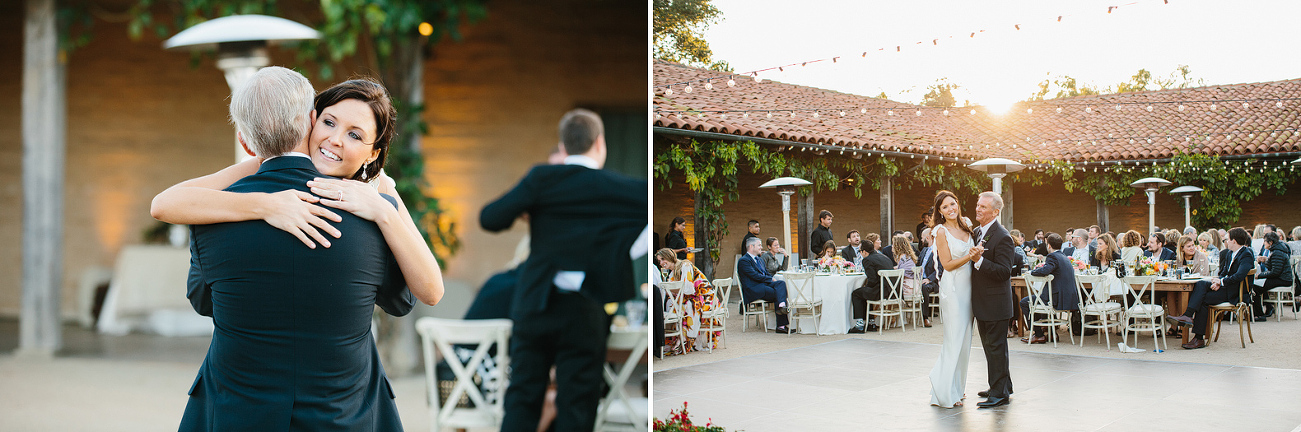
x=1088, y=128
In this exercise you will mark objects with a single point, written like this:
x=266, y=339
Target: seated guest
x=888, y=250
x=1018, y=243
x=758, y=284
x=1295, y=244
x=1131, y=248
x=931, y=271
x=1039, y=248
x=906, y=261
x=871, y=289
x=1208, y=243
x=828, y=250
x=1171, y=237
x=1156, y=248
x=1192, y=257
x=1107, y=252
x=1212, y=291
x=1190, y=231
x=1079, y=248
x=677, y=269
x=850, y=253
x=775, y=258
x=1276, y=271
x=1064, y=296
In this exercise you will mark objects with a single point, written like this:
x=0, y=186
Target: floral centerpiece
x=834, y=263
x=1148, y=267
x=1079, y=264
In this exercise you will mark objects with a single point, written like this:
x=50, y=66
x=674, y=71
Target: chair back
x=616, y=401
x=673, y=292
x=891, y=285
x=720, y=303
x=1144, y=284
x=736, y=275
x=1037, y=285
x=1096, y=291
x=443, y=334
x=799, y=287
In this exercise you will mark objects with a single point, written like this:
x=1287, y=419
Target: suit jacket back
x=292, y=347
x=580, y=219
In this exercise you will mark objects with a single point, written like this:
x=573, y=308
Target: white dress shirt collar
x=292, y=153
x=582, y=160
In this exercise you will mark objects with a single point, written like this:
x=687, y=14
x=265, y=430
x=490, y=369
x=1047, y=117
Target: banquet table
x=1176, y=292
x=837, y=312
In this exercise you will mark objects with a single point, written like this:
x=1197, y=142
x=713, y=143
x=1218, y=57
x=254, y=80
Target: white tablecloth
x=148, y=293
x=837, y=312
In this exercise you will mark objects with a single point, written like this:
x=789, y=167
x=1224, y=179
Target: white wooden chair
x=891, y=303
x=673, y=314
x=756, y=308
x=935, y=306
x=1285, y=295
x=443, y=333
x=1053, y=317
x=1094, y=302
x=802, y=300
x=715, y=319
x=912, y=303
x=618, y=411
x=1139, y=316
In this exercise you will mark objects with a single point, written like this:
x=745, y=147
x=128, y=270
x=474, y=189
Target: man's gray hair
x=995, y=199
x=271, y=110
x=1190, y=230
x=751, y=240
x=1081, y=233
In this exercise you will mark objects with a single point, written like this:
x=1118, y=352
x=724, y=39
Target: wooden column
x=1006, y=214
x=805, y=223
x=887, y=209
x=43, y=119
x=1104, y=216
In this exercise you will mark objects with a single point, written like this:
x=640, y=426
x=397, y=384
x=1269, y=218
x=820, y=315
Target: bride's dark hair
x=937, y=218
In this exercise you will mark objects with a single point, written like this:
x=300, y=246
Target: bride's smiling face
x=949, y=208
x=343, y=138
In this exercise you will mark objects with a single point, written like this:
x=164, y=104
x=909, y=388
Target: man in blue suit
x=757, y=284
x=292, y=349
x=1156, y=248
x=1218, y=290
x=1064, y=294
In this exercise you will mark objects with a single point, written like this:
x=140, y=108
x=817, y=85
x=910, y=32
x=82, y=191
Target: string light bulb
x=1278, y=104
x=1088, y=110
x=1029, y=110
x=709, y=85
x=842, y=113
x=889, y=112
x=687, y=89
x=731, y=82
x=1149, y=108
x=919, y=113
x=1181, y=107
x=1213, y=106
x=668, y=91
x=862, y=110
x=946, y=113
x=1246, y=105
x=1059, y=110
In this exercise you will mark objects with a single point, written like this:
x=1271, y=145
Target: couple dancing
x=976, y=282
x=292, y=347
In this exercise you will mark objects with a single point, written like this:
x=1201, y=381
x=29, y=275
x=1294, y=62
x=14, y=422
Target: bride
x=952, y=247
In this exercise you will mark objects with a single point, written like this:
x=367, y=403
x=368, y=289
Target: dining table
x=837, y=312
x=1177, y=291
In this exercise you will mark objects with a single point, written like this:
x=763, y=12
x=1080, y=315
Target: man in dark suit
x=820, y=235
x=757, y=284
x=292, y=349
x=583, y=222
x=850, y=252
x=931, y=273
x=1218, y=290
x=752, y=230
x=1064, y=295
x=991, y=295
x=871, y=290
x=1156, y=246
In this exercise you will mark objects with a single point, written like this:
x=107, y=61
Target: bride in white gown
x=952, y=246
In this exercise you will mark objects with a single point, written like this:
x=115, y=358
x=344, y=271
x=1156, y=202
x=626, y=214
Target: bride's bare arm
x=419, y=267
x=202, y=201
x=947, y=260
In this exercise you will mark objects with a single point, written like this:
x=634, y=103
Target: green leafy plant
x=680, y=421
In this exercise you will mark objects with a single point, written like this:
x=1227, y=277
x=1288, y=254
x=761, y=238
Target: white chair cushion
x=1146, y=310
x=1282, y=290
x=1102, y=307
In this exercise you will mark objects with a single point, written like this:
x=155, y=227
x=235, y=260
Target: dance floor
x=863, y=384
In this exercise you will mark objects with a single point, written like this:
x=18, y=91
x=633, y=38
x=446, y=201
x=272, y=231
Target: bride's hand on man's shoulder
x=353, y=197
x=293, y=211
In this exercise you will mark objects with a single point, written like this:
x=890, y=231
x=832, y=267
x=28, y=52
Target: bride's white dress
x=949, y=376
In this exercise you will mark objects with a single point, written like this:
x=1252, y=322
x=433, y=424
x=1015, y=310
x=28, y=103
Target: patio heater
x=241, y=43
x=1150, y=185
x=997, y=168
x=1187, y=192
x=786, y=187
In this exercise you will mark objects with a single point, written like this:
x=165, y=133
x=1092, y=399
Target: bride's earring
x=364, y=167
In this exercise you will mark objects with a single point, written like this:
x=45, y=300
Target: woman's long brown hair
x=938, y=218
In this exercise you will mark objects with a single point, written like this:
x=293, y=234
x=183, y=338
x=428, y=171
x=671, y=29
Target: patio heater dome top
x=1186, y=189
x=993, y=165
x=1297, y=161
x=240, y=28
x=786, y=181
x=1150, y=182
